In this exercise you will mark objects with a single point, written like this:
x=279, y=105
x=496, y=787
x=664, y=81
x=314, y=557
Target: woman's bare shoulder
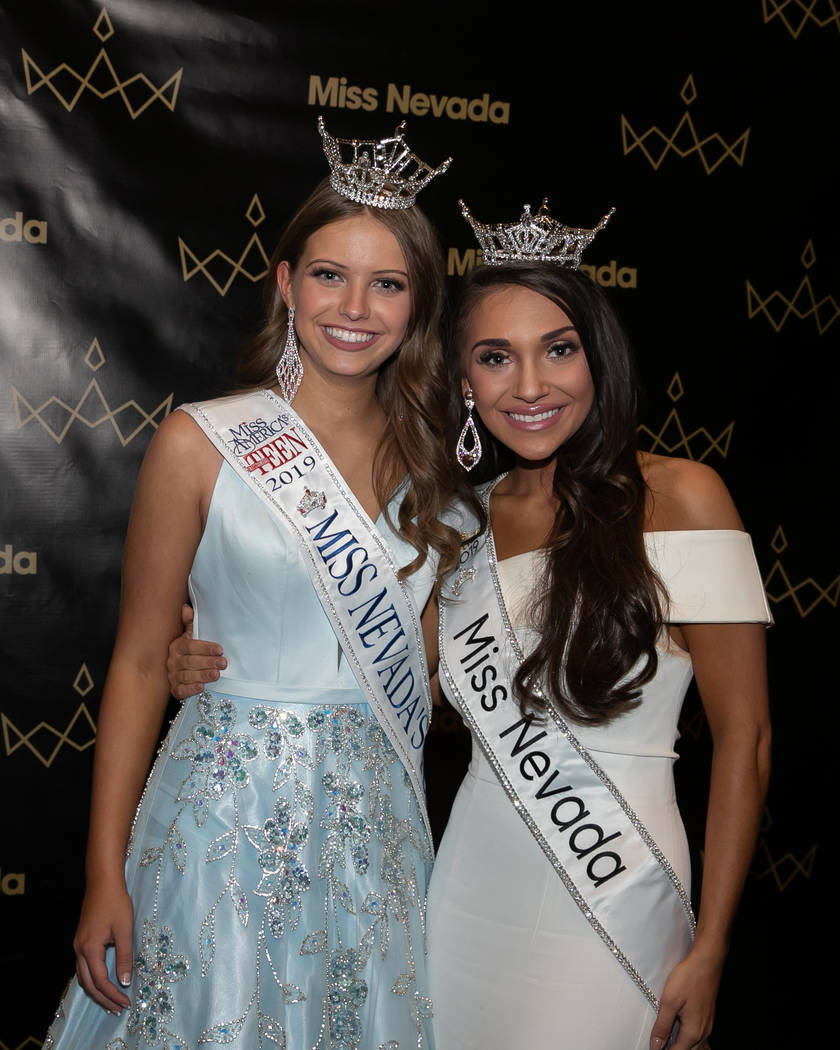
x=180, y=450
x=685, y=494
x=179, y=433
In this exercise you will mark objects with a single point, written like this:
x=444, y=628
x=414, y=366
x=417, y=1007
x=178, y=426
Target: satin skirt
x=512, y=960
x=278, y=867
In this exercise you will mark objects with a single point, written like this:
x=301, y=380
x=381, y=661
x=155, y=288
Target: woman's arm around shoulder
x=170, y=501
x=730, y=670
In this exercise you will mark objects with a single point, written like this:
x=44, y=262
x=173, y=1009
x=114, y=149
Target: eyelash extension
x=486, y=357
x=565, y=345
x=396, y=284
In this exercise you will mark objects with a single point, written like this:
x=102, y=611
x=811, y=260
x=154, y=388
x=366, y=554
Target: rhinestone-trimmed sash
x=351, y=566
x=606, y=858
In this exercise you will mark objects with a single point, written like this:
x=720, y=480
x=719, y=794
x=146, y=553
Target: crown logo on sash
x=382, y=173
x=535, y=238
x=310, y=501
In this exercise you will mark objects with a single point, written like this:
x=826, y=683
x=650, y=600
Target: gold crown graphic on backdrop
x=137, y=92
x=56, y=739
x=778, y=308
x=805, y=595
x=684, y=140
x=808, y=10
x=382, y=173
x=535, y=238
x=92, y=409
x=191, y=264
x=783, y=869
x=29, y=1043
x=673, y=437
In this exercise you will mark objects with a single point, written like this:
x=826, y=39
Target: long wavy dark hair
x=599, y=606
x=410, y=385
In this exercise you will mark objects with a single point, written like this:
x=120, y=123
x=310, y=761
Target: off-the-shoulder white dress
x=513, y=962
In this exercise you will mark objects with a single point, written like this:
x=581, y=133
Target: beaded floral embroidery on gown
x=278, y=861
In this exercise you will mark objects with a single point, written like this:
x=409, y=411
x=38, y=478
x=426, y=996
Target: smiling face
x=525, y=363
x=350, y=290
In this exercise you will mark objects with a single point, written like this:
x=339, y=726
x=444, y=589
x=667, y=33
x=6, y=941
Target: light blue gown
x=278, y=863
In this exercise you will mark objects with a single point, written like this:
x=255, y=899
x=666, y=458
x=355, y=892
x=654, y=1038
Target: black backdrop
x=151, y=151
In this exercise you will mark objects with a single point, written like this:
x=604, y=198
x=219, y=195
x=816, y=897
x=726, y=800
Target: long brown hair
x=599, y=606
x=410, y=385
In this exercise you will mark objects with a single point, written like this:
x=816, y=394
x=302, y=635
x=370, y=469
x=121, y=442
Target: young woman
x=277, y=865
x=558, y=911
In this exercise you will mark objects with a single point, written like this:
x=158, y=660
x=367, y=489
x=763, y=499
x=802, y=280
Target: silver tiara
x=535, y=238
x=382, y=173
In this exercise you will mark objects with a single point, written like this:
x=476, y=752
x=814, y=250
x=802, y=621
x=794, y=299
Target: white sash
x=352, y=568
x=617, y=875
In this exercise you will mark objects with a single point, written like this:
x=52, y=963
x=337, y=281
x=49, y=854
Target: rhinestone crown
x=535, y=238
x=381, y=173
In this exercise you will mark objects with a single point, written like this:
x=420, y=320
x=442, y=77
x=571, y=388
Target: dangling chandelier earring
x=468, y=457
x=290, y=366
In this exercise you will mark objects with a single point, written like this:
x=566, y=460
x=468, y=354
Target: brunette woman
x=606, y=577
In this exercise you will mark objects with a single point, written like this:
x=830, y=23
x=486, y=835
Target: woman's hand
x=689, y=995
x=190, y=664
x=106, y=919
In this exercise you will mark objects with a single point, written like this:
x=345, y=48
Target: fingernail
x=125, y=980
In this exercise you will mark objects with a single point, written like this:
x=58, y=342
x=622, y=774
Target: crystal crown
x=381, y=173
x=535, y=238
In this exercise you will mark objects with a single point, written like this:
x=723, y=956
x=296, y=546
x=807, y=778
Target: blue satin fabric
x=278, y=863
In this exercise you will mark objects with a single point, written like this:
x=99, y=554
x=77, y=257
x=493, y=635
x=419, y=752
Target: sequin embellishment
x=279, y=886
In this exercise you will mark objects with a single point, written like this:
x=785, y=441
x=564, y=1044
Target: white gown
x=513, y=962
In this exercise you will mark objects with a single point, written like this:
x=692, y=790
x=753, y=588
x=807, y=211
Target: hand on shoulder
x=684, y=494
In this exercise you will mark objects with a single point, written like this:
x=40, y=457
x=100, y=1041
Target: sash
x=615, y=872
x=351, y=566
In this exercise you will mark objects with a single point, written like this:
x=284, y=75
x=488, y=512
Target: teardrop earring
x=468, y=457
x=290, y=366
